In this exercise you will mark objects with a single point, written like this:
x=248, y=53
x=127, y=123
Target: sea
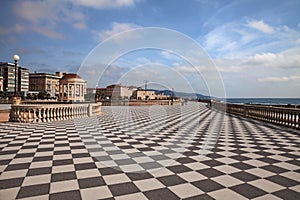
x=277, y=101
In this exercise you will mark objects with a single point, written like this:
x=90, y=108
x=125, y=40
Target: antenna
x=146, y=82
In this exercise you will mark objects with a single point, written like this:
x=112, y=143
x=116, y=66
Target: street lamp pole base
x=15, y=100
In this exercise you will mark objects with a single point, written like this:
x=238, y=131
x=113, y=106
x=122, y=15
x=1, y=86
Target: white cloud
x=261, y=26
x=237, y=39
x=286, y=59
x=102, y=4
x=43, y=16
x=115, y=29
x=279, y=79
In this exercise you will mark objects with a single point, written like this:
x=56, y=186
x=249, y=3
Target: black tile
x=159, y=157
x=42, y=158
x=125, y=162
x=240, y=158
x=287, y=194
x=161, y=194
x=191, y=153
x=244, y=176
x=212, y=163
x=17, y=166
x=70, y=195
x=83, y=166
x=62, y=152
x=207, y=185
x=179, y=169
x=123, y=188
x=91, y=182
x=281, y=180
x=63, y=176
x=185, y=160
x=34, y=190
x=171, y=180
x=145, y=149
x=263, y=153
x=62, y=162
x=210, y=172
x=5, y=162
x=248, y=191
x=294, y=162
x=10, y=183
x=24, y=155
x=39, y=171
x=139, y=176
x=200, y=197
x=80, y=155
x=241, y=166
x=274, y=169
x=109, y=171
x=268, y=160
x=289, y=155
x=150, y=165
x=45, y=149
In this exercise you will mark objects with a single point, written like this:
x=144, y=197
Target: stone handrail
x=289, y=117
x=52, y=112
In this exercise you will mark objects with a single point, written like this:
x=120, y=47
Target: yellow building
x=148, y=95
x=45, y=82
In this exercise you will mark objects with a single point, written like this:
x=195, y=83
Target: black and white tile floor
x=156, y=152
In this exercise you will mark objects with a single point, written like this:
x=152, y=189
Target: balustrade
x=289, y=117
x=52, y=112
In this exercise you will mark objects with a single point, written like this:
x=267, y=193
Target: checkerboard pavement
x=155, y=152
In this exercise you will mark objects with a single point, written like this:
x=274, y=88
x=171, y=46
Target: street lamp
x=16, y=58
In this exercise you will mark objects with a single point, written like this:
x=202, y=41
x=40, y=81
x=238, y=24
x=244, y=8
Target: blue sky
x=254, y=45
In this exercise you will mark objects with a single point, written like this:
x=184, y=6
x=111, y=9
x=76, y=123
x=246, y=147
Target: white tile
x=87, y=173
x=116, y=178
x=13, y=174
x=35, y=180
x=41, y=164
x=63, y=168
x=137, y=196
x=227, y=180
x=226, y=194
x=131, y=168
x=260, y=172
x=185, y=190
x=62, y=186
x=148, y=184
x=10, y=193
x=192, y=176
x=160, y=172
x=227, y=169
x=267, y=197
x=95, y=193
x=266, y=185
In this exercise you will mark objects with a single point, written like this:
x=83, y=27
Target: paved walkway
x=155, y=152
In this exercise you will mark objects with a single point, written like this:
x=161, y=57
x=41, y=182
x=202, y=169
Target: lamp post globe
x=16, y=57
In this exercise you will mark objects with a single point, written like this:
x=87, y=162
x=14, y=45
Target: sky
x=246, y=48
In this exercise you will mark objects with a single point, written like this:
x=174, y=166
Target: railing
x=52, y=112
x=289, y=117
x=138, y=102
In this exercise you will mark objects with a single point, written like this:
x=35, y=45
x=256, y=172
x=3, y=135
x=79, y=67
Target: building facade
x=7, y=71
x=45, y=82
x=72, y=88
x=1, y=83
x=148, y=95
x=118, y=91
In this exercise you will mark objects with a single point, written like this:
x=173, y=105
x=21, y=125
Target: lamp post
x=16, y=58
